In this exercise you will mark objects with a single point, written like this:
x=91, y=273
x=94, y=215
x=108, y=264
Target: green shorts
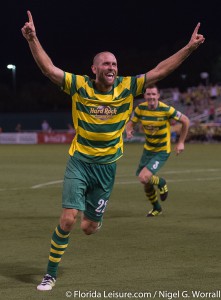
x=153, y=161
x=87, y=187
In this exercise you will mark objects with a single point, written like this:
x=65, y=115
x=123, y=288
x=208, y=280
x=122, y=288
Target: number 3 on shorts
x=102, y=205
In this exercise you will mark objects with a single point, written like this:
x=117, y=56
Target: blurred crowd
x=202, y=104
x=195, y=100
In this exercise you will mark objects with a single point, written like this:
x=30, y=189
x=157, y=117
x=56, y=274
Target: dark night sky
x=139, y=33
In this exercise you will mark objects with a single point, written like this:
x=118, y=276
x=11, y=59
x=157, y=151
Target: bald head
x=103, y=56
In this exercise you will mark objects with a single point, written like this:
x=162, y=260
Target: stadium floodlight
x=13, y=68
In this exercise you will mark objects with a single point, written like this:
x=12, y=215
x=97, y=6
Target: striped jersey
x=156, y=125
x=100, y=118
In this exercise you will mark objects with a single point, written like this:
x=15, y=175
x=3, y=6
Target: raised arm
x=43, y=61
x=168, y=65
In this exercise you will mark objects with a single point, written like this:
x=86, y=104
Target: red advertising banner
x=55, y=138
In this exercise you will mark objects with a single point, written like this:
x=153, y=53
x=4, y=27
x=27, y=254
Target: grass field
x=177, y=251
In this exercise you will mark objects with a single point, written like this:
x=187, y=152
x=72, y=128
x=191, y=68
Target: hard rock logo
x=152, y=129
x=103, y=112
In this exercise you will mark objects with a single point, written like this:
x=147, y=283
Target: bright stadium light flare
x=11, y=67
x=13, y=70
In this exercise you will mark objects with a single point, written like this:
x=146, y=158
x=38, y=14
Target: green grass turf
x=177, y=251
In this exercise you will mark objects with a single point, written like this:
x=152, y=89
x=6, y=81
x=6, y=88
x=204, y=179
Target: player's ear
x=93, y=68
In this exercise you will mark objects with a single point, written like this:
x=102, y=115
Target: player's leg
x=145, y=176
x=150, y=164
x=59, y=243
x=98, y=194
x=151, y=194
x=155, y=163
x=89, y=226
x=73, y=200
x=162, y=185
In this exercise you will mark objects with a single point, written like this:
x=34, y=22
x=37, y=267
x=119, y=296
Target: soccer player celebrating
x=100, y=107
x=155, y=118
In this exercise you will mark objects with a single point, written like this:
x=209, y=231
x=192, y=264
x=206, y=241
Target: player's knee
x=67, y=222
x=144, y=180
x=89, y=229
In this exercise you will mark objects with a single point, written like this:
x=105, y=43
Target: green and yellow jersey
x=156, y=125
x=100, y=118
